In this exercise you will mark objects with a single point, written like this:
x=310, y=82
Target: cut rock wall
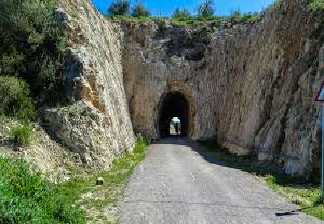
x=251, y=86
x=96, y=124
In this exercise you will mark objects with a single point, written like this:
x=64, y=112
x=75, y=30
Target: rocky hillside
x=250, y=85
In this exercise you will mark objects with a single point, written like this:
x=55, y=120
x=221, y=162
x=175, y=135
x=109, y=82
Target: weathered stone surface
x=88, y=132
x=249, y=85
x=97, y=124
x=252, y=85
x=44, y=154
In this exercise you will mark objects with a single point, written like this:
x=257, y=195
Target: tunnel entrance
x=174, y=107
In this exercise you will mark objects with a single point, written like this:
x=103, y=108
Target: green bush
x=22, y=134
x=316, y=5
x=238, y=17
x=119, y=8
x=25, y=197
x=32, y=43
x=16, y=100
x=181, y=14
x=140, y=11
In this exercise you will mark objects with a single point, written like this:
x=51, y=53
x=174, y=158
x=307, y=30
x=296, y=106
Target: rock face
x=96, y=124
x=44, y=154
x=251, y=86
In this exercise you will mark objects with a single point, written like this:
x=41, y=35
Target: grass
x=26, y=197
x=296, y=189
x=97, y=200
x=307, y=196
x=22, y=134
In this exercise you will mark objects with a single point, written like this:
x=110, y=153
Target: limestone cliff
x=251, y=86
x=96, y=123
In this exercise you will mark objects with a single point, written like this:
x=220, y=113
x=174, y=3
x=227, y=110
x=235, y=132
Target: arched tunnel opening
x=174, y=112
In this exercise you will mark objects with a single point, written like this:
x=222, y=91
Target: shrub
x=22, y=134
x=119, y=8
x=235, y=16
x=206, y=9
x=16, y=100
x=32, y=43
x=317, y=5
x=238, y=17
x=25, y=197
x=181, y=14
x=140, y=11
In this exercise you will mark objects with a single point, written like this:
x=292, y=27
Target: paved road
x=179, y=183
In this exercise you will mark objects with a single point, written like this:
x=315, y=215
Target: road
x=179, y=184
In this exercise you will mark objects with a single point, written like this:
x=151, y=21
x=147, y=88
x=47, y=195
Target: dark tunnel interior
x=174, y=105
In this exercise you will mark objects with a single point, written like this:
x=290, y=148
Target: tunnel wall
x=251, y=85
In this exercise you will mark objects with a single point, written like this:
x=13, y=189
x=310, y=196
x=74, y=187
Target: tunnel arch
x=174, y=104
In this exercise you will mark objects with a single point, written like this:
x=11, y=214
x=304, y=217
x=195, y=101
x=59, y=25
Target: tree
x=32, y=46
x=235, y=16
x=119, y=8
x=140, y=10
x=181, y=13
x=206, y=9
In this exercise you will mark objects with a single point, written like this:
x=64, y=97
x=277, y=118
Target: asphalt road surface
x=179, y=183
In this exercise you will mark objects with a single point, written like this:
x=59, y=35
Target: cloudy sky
x=166, y=7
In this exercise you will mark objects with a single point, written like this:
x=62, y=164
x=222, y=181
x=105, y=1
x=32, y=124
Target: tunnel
x=174, y=105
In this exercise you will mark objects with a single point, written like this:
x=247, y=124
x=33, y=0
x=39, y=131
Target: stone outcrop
x=44, y=154
x=88, y=132
x=96, y=123
x=249, y=85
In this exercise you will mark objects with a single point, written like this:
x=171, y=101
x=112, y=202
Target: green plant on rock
x=140, y=11
x=16, y=100
x=22, y=134
x=181, y=14
x=316, y=5
x=238, y=17
x=119, y=8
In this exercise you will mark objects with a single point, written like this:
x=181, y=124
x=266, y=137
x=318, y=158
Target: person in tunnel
x=176, y=124
x=174, y=115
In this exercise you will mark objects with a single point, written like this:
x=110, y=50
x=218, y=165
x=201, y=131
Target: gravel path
x=178, y=183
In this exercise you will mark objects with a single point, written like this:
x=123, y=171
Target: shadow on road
x=214, y=154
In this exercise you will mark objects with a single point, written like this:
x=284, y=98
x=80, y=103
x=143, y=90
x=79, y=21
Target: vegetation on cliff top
x=120, y=10
x=194, y=21
x=317, y=4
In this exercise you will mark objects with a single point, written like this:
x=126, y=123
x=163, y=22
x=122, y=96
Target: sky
x=167, y=7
